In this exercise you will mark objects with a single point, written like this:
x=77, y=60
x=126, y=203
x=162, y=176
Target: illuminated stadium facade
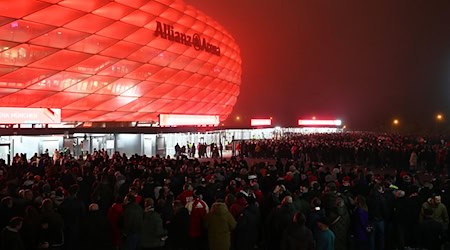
x=116, y=61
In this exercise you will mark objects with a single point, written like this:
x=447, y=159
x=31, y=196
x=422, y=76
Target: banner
x=12, y=115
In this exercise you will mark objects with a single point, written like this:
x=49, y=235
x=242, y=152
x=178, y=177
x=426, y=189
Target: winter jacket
x=115, y=214
x=11, y=240
x=152, y=230
x=360, y=222
x=133, y=216
x=179, y=229
x=247, y=228
x=96, y=231
x=219, y=223
x=340, y=226
x=429, y=233
x=297, y=237
x=440, y=213
x=197, y=209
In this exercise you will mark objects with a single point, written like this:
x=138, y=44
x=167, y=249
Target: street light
x=439, y=117
x=395, y=122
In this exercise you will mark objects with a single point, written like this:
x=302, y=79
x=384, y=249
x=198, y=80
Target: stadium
x=115, y=61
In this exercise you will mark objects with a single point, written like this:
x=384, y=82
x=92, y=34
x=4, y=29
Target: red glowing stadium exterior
x=121, y=60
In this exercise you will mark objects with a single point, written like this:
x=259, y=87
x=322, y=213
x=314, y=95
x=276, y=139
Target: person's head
x=286, y=200
x=133, y=190
x=73, y=190
x=379, y=188
x=47, y=205
x=15, y=223
x=93, y=207
x=28, y=195
x=360, y=201
x=7, y=202
x=230, y=199
x=188, y=187
x=299, y=218
x=436, y=200
x=196, y=194
x=323, y=223
x=130, y=198
x=149, y=203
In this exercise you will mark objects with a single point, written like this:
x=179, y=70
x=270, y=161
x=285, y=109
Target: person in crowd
x=52, y=224
x=297, y=236
x=153, y=234
x=360, y=224
x=278, y=220
x=133, y=216
x=440, y=213
x=219, y=224
x=115, y=219
x=10, y=237
x=377, y=212
x=315, y=214
x=96, y=230
x=197, y=209
x=30, y=227
x=187, y=195
x=429, y=231
x=325, y=238
x=178, y=227
x=340, y=224
x=322, y=172
x=72, y=210
x=239, y=204
x=6, y=211
x=248, y=226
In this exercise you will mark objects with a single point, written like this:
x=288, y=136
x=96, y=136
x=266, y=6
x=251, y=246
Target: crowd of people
x=322, y=191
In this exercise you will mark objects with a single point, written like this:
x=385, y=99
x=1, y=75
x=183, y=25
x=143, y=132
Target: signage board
x=15, y=115
x=172, y=120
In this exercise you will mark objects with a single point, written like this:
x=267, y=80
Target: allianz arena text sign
x=29, y=116
x=167, y=31
x=116, y=60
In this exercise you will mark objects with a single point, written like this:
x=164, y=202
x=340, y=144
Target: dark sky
x=365, y=62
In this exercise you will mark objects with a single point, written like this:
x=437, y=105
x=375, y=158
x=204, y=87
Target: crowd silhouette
x=318, y=191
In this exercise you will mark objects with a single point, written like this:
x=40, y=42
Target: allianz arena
x=116, y=60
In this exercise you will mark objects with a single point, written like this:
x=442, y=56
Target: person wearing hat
x=325, y=238
x=219, y=223
x=197, y=209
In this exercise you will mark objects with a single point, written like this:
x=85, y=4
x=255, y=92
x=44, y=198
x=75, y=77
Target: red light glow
x=116, y=60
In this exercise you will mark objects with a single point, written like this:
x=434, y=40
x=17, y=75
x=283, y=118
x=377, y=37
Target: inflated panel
x=116, y=60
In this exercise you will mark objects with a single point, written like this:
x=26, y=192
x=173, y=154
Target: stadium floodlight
x=319, y=122
x=261, y=122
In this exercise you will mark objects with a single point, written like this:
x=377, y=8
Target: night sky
x=365, y=62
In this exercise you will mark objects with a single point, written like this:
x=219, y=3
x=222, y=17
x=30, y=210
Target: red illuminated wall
x=101, y=60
